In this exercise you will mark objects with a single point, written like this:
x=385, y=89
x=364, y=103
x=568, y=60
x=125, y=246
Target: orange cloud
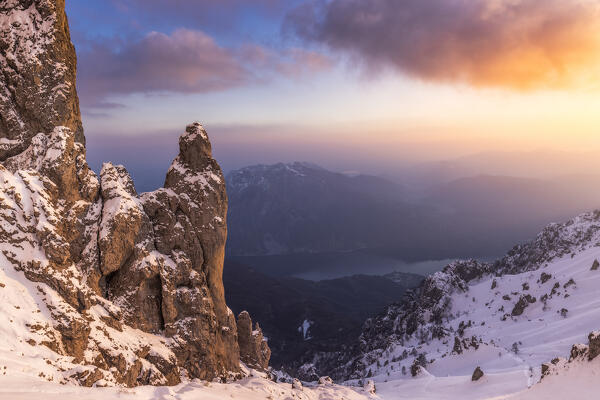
x=521, y=44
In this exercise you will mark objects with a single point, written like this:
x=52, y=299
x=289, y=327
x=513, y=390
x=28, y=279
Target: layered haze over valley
x=299, y=200
x=420, y=215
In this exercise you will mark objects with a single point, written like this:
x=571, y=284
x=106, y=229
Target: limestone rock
x=457, y=348
x=122, y=218
x=114, y=268
x=415, y=369
x=579, y=351
x=523, y=302
x=37, y=84
x=254, y=350
x=544, y=277
x=418, y=365
x=579, y=354
x=369, y=387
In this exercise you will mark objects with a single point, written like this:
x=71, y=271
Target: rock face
x=37, y=84
x=594, y=345
x=133, y=283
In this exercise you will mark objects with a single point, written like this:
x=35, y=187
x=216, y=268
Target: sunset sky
x=345, y=83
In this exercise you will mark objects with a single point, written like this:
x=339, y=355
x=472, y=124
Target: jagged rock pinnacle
x=116, y=268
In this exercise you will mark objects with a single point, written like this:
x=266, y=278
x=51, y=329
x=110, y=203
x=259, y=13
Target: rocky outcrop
x=37, y=79
x=594, y=345
x=133, y=283
x=523, y=302
x=580, y=353
x=254, y=350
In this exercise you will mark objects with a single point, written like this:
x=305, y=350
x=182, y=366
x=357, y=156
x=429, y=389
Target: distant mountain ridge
x=281, y=208
x=302, y=209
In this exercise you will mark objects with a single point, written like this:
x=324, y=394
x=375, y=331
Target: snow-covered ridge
x=254, y=175
x=507, y=317
x=555, y=240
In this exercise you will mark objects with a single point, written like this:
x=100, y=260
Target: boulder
x=297, y=385
x=477, y=374
x=544, y=277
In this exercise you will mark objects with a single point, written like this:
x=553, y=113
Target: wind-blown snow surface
x=30, y=370
x=252, y=388
x=578, y=382
x=509, y=348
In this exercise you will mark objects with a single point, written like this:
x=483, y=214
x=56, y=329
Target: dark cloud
x=511, y=43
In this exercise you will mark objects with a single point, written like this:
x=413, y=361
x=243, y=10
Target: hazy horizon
x=281, y=81
x=153, y=155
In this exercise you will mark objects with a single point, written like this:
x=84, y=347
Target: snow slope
x=29, y=369
x=541, y=333
x=579, y=381
x=251, y=388
x=485, y=329
x=508, y=324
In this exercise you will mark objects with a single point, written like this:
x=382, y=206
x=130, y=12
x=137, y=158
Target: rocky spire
x=254, y=350
x=133, y=283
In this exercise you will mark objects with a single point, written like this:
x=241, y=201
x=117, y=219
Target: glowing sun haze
x=342, y=81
